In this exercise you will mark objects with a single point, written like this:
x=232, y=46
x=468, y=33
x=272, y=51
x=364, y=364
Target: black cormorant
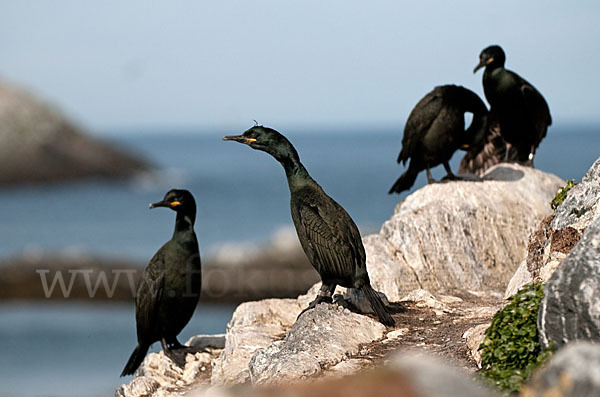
x=520, y=110
x=169, y=289
x=435, y=129
x=326, y=232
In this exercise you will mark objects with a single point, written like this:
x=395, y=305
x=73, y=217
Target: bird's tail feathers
x=135, y=359
x=378, y=306
x=405, y=181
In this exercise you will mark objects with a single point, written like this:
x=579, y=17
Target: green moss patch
x=562, y=193
x=511, y=351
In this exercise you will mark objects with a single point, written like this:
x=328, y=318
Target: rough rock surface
x=321, y=338
x=570, y=309
x=573, y=371
x=158, y=375
x=254, y=326
x=427, y=323
x=557, y=234
x=37, y=144
x=460, y=235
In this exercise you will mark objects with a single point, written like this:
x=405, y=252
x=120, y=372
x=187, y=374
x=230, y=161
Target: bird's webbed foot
x=177, y=356
x=313, y=304
x=450, y=176
x=178, y=352
x=324, y=296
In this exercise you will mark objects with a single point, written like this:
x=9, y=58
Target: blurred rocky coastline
x=231, y=274
x=40, y=145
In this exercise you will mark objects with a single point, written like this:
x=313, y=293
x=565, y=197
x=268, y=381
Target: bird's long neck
x=492, y=76
x=184, y=227
x=492, y=72
x=295, y=172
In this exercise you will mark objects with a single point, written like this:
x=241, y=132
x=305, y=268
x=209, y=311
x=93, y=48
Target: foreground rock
x=573, y=371
x=557, y=234
x=321, y=338
x=460, y=235
x=39, y=145
x=254, y=326
x=433, y=377
x=262, y=344
x=570, y=310
x=158, y=375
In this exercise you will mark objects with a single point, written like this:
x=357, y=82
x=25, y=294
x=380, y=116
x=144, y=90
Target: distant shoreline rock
x=277, y=269
x=39, y=145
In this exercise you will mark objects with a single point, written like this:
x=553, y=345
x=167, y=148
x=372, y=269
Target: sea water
x=79, y=350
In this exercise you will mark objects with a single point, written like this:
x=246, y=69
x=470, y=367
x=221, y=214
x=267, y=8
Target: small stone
x=396, y=333
x=475, y=337
x=346, y=367
x=448, y=299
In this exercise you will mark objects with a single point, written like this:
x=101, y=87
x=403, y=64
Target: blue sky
x=219, y=64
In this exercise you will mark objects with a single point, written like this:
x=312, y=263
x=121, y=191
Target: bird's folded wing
x=333, y=250
x=419, y=121
x=536, y=105
x=149, y=293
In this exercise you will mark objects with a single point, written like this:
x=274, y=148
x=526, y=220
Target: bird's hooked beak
x=239, y=138
x=483, y=62
x=168, y=204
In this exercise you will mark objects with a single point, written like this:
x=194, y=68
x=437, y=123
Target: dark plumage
x=435, y=129
x=326, y=232
x=487, y=152
x=519, y=109
x=169, y=289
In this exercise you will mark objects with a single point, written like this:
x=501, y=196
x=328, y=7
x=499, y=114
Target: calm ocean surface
x=79, y=350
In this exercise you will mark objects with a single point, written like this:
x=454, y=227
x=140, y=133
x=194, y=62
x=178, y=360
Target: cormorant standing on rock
x=435, y=129
x=326, y=232
x=169, y=289
x=520, y=110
